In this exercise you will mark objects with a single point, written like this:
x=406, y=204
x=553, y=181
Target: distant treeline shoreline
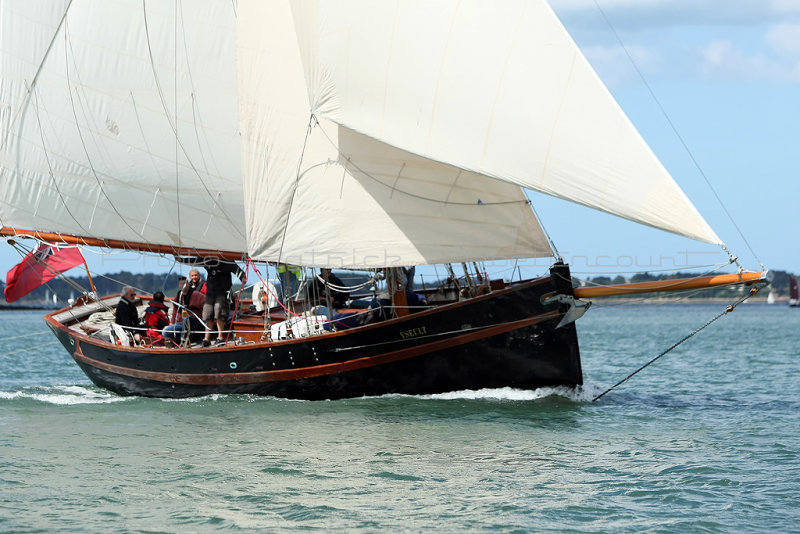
x=42, y=297
x=779, y=286
x=108, y=284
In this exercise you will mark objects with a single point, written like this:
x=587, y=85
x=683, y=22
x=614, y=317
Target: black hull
x=508, y=338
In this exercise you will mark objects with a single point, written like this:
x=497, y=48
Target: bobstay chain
x=727, y=310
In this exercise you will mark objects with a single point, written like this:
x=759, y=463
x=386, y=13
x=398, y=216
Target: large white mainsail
x=497, y=91
x=119, y=121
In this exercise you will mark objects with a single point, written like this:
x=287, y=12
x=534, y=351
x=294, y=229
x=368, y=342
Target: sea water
x=704, y=440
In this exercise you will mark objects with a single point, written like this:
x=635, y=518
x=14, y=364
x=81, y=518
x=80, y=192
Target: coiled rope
x=727, y=310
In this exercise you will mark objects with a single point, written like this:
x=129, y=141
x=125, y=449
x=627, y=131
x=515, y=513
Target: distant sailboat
x=356, y=134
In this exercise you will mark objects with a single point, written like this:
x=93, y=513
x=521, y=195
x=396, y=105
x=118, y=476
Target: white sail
x=342, y=133
x=498, y=90
x=119, y=121
x=358, y=202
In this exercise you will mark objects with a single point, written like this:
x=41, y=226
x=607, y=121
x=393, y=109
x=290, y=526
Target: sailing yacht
x=347, y=134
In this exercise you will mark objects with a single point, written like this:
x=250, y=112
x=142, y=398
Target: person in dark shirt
x=126, y=314
x=218, y=284
x=318, y=291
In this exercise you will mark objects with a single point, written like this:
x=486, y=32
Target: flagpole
x=91, y=282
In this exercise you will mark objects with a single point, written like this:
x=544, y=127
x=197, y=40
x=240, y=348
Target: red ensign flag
x=38, y=267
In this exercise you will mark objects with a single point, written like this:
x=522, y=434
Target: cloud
x=740, y=40
x=642, y=14
x=724, y=60
x=785, y=6
x=777, y=59
x=784, y=39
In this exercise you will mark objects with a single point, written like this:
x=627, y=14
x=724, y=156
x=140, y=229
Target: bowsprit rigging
x=726, y=311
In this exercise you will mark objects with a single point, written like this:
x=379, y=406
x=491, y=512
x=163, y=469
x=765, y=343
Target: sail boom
x=678, y=284
x=134, y=246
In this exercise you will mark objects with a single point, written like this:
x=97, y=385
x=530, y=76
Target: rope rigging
x=727, y=310
x=394, y=189
x=24, y=335
x=681, y=140
x=89, y=162
x=33, y=83
x=31, y=348
x=173, y=123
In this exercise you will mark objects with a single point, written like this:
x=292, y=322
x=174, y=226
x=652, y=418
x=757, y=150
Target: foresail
x=319, y=193
x=119, y=121
x=495, y=88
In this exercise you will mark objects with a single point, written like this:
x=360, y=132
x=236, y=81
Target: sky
x=714, y=88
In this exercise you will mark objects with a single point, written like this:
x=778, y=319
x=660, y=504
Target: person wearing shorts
x=217, y=309
x=218, y=284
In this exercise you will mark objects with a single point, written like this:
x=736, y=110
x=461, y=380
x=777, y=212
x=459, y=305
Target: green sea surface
x=707, y=439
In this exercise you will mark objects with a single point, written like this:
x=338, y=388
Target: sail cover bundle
x=345, y=133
